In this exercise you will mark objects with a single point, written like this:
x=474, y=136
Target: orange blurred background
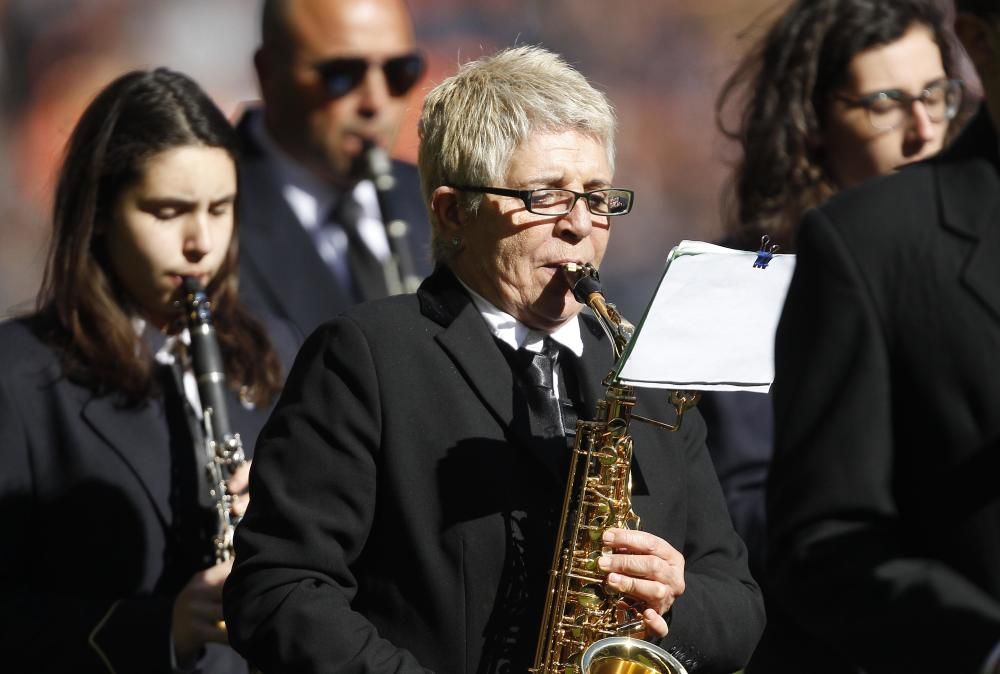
x=661, y=62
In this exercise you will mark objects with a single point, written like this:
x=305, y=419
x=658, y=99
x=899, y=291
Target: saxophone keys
x=592, y=562
x=590, y=596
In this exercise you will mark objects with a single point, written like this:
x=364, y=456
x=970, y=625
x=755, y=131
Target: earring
x=455, y=242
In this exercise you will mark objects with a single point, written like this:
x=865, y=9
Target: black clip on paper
x=765, y=253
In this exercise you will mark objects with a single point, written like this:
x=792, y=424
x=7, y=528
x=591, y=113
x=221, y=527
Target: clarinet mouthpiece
x=191, y=284
x=378, y=165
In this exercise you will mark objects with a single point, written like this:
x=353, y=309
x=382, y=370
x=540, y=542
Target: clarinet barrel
x=223, y=448
x=400, y=272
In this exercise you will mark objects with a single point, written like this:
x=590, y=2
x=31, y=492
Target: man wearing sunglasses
x=335, y=78
x=883, y=506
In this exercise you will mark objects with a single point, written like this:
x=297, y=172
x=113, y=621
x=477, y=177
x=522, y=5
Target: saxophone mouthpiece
x=583, y=280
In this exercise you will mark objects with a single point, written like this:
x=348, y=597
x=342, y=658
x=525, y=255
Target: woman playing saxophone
x=407, y=489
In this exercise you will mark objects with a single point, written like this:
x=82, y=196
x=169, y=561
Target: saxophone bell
x=624, y=655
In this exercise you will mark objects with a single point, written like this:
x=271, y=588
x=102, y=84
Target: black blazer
x=740, y=439
x=884, y=502
x=89, y=563
x=280, y=269
x=399, y=522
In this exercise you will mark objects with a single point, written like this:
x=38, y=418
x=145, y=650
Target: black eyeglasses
x=548, y=201
x=890, y=108
x=341, y=75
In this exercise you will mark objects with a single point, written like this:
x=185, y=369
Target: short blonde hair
x=472, y=122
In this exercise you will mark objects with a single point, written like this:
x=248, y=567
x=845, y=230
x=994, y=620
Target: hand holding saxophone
x=644, y=567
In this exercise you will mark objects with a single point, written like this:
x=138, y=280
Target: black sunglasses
x=341, y=75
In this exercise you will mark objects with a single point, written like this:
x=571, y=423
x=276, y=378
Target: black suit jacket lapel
x=279, y=252
x=132, y=435
x=465, y=333
x=969, y=189
x=468, y=342
x=595, y=365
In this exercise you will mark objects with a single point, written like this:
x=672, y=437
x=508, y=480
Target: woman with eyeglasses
x=407, y=490
x=107, y=559
x=835, y=93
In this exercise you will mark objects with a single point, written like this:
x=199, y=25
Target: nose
x=578, y=223
x=197, y=237
x=921, y=126
x=373, y=91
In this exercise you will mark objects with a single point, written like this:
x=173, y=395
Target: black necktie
x=367, y=273
x=548, y=416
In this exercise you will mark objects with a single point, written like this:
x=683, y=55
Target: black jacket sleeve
x=288, y=600
x=716, y=624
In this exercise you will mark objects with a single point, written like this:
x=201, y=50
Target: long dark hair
x=137, y=116
x=782, y=86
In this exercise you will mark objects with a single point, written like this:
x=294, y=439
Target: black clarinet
x=400, y=273
x=223, y=448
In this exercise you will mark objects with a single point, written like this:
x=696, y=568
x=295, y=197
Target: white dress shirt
x=312, y=200
x=517, y=335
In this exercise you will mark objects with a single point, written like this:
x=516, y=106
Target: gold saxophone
x=587, y=627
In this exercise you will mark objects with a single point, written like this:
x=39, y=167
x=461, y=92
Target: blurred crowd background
x=662, y=63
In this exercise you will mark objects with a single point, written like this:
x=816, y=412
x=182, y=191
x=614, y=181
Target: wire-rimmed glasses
x=890, y=108
x=556, y=201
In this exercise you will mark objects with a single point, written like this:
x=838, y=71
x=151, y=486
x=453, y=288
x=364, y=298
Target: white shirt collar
x=167, y=353
x=517, y=335
x=176, y=348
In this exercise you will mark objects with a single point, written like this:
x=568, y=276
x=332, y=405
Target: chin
x=550, y=309
x=554, y=319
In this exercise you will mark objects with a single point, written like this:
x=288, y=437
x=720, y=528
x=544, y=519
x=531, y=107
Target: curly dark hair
x=135, y=117
x=782, y=85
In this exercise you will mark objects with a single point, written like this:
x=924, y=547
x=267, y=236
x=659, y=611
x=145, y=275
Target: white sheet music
x=711, y=323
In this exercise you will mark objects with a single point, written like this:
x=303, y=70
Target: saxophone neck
x=585, y=283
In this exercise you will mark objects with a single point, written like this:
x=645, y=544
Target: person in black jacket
x=107, y=560
x=405, y=503
x=335, y=78
x=883, y=510
x=821, y=103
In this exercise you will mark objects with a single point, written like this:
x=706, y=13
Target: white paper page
x=711, y=323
